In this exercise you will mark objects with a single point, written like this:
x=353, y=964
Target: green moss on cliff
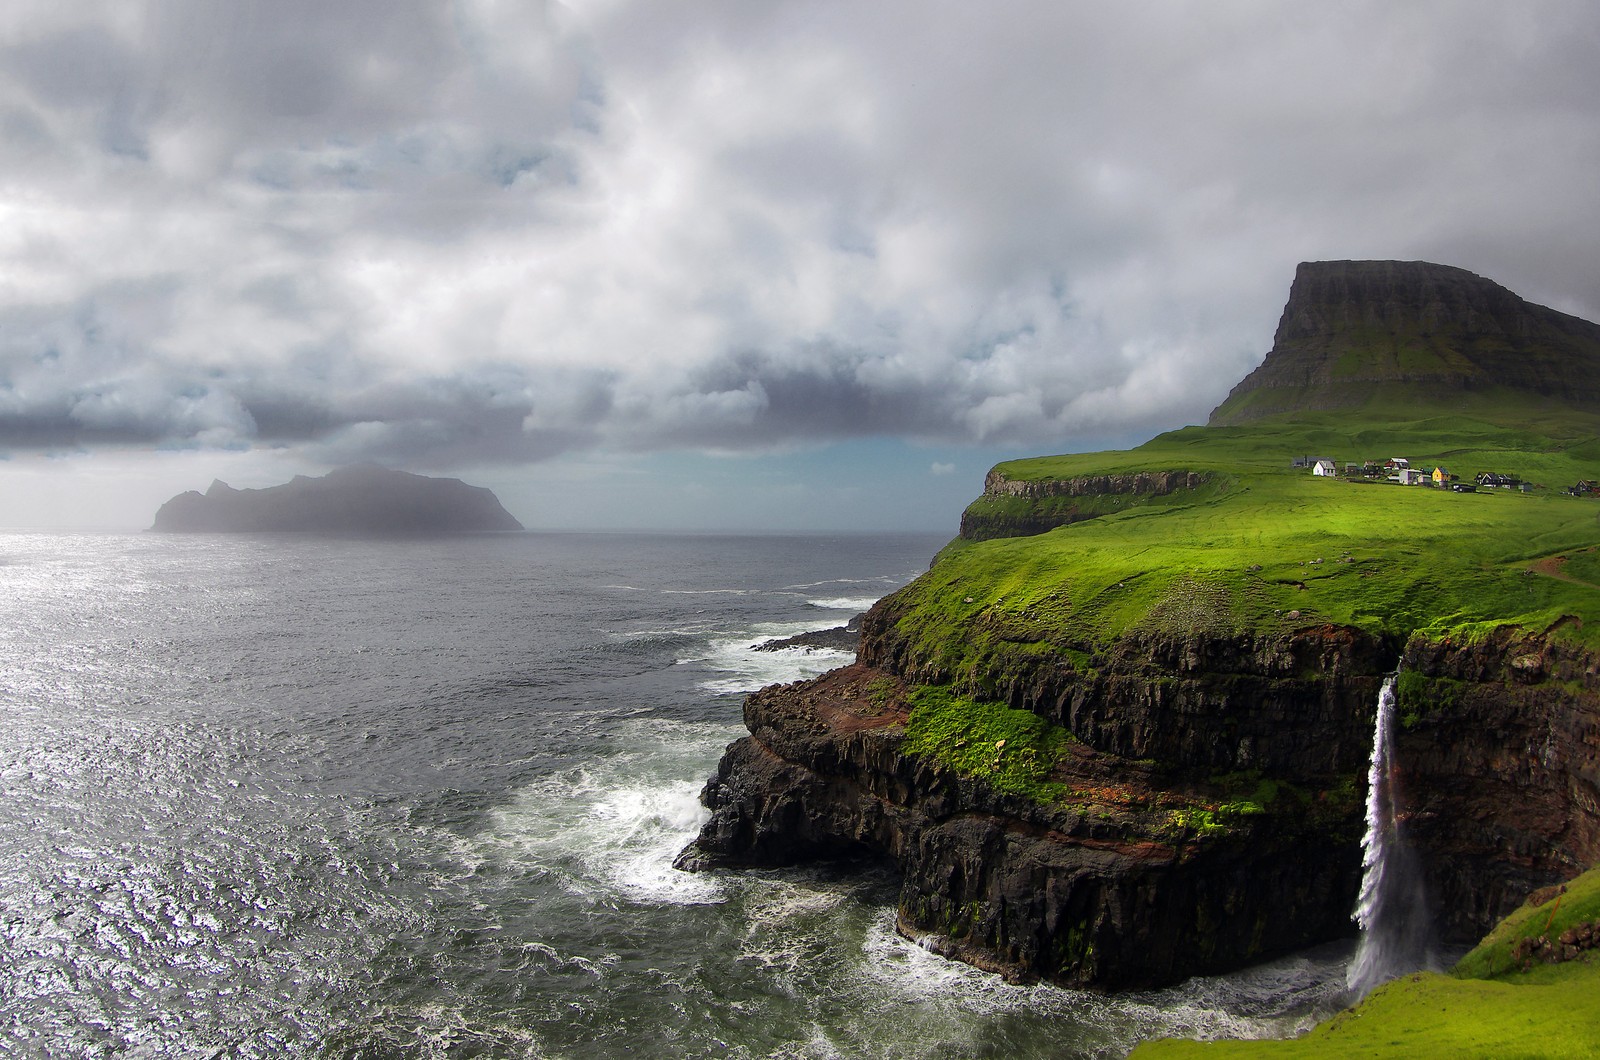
x=1012, y=750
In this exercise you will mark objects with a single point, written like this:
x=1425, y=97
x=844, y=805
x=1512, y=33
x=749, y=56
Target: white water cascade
x=1392, y=910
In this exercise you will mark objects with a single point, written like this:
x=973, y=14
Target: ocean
x=297, y=796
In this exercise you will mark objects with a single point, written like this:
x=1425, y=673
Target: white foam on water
x=613, y=826
x=853, y=604
x=914, y=973
x=1279, y=999
x=742, y=668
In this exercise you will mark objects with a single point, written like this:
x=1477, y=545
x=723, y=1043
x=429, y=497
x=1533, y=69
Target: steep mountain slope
x=1385, y=334
x=1117, y=734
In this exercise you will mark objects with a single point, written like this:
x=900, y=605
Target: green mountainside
x=1378, y=337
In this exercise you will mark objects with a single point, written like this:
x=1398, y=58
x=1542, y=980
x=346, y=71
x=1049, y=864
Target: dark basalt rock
x=839, y=638
x=363, y=499
x=1107, y=891
x=1111, y=896
x=1500, y=745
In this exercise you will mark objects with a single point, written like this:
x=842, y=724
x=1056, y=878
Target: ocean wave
x=741, y=667
x=853, y=604
x=613, y=825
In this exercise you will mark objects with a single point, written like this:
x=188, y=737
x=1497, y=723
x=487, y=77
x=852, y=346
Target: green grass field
x=1264, y=547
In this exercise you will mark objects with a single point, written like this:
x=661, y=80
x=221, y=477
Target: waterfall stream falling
x=1392, y=910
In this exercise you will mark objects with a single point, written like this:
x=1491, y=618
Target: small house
x=1411, y=476
x=1441, y=477
x=1324, y=469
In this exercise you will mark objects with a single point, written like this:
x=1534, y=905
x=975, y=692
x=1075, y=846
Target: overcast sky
x=732, y=264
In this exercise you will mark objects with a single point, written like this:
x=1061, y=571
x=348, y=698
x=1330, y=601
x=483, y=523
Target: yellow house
x=1441, y=477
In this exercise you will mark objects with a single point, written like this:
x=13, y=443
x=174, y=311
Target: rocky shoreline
x=837, y=638
x=1143, y=875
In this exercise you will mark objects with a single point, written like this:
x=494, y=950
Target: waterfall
x=1392, y=911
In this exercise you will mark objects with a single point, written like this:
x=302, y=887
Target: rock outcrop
x=1148, y=870
x=1353, y=330
x=362, y=499
x=1202, y=793
x=1501, y=754
x=1130, y=882
x=1024, y=507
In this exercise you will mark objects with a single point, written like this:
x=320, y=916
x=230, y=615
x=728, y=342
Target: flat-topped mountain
x=1363, y=334
x=362, y=499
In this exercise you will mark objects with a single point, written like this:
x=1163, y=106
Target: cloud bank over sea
x=480, y=233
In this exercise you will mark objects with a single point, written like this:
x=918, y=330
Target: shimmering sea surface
x=282, y=796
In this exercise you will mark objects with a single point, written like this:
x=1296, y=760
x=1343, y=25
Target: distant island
x=361, y=499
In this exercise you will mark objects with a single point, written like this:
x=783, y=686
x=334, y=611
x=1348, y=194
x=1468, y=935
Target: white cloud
x=485, y=231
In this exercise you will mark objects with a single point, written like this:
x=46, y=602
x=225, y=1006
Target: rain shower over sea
x=321, y=797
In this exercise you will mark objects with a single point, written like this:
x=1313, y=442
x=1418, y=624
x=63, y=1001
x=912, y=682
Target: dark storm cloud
x=477, y=232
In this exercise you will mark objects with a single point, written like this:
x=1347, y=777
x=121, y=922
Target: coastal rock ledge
x=1151, y=865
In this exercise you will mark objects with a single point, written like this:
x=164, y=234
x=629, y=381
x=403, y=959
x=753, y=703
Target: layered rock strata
x=1050, y=503
x=1104, y=888
x=1500, y=752
x=1147, y=870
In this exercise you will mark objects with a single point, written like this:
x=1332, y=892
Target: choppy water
x=286, y=796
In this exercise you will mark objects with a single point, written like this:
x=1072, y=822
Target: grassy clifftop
x=1267, y=547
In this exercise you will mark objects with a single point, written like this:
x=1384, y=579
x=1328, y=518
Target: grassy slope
x=1549, y=1011
x=1393, y=559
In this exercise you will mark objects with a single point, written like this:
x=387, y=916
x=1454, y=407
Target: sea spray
x=1391, y=911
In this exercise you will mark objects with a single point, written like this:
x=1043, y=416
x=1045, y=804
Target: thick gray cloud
x=451, y=234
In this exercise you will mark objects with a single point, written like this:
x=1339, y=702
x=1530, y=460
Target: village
x=1398, y=470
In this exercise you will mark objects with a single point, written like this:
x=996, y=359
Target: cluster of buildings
x=1399, y=469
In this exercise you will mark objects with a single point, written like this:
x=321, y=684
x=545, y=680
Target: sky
x=733, y=264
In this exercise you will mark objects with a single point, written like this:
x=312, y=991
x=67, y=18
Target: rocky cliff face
x=1114, y=887
x=1143, y=874
x=1501, y=759
x=1354, y=328
x=1024, y=507
x=361, y=499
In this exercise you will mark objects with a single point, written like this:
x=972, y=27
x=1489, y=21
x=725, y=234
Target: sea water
x=295, y=796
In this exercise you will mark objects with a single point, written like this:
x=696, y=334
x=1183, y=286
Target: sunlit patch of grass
x=1012, y=750
x=1279, y=549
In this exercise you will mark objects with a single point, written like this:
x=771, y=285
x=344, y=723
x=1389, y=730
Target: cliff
x=1018, y=507
x=359, y=499
x=1118, y=733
